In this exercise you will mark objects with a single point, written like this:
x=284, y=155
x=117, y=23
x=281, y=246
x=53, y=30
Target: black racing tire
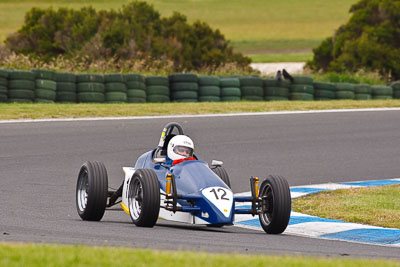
x=144, y=198
x=89, y=78
x=184, y=86
x=183, y=77
x=157, y=90
x=114, y=78
x=115, y=87
x=66, y=87
x=211, y=90
x=158, y=98
x=46, y=84
x=65, y=77
x=229, y=82
x=134, y=77
x=45, y=94
x=209, y=99
x=276, y=204
x=231, y=91
x=221, y=173
x=208, y=81
x=157, y=80
x=135, y=85
x=136, y=93
x=92, y=191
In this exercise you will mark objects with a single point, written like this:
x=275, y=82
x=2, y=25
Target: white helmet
x=180, y=147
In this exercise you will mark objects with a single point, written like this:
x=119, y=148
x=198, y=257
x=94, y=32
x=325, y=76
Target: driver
x=180, y=148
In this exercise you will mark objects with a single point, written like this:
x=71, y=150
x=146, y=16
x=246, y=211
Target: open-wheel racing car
x=189, y=192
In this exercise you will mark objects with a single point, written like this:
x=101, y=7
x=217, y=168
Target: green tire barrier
x=362, y=96
x=45, y=94
x=302, y=88
x=136, y=85
x=382, y=97
x=44, y=74
x=19, y=100
x=345, y=95
x=136, y=93
x=158, y=98
x=115, y=87
x=157, y=80
x=208, y=81
x=303, y=80
x=209, y=99
x=90, y=97
x=269, y=82
x=210, y=90
x=345, y=87
x=114, y=78
x=275, y=98
x=66, y=97
x=89, y=78
x=4, y=74
x=66, y=87
x=301, y=96
x=362, y=89
x=251, y=88
x=382, y=92
x=157, y=90
x=21, y=84
x=136, y=100
x=180, y=95
x=88, y=87
x=21, y=75
x=324, y=86
x=42, y=100
x=229, y=82
x=21, y=94
x=183, y=100
x=276, y=92
x=184, y=86
x=46, y=84
x=65, y=77
x=325, y=94
x=183, y=77
x=396, y=94
x=3, y=97
x=231, y=91
x=133, y=77
x=230, y=98
x=3, y=90
x=116, y=97
x=3, y=82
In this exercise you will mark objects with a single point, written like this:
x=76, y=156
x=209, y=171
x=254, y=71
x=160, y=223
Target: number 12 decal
x=222, y=197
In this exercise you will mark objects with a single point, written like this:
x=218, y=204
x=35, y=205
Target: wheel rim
x=135, y=199
x=267, y=204
x=83, y=186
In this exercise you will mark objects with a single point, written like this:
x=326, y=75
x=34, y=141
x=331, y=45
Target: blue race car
x=190, y=192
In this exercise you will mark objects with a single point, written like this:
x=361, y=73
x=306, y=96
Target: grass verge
x=41, y=111
x=379, y=206
x=54, y=255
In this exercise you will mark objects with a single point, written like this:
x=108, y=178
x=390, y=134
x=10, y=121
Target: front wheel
x=276, y=204
x=144, y=198
x=91, y=191
x=222, y=174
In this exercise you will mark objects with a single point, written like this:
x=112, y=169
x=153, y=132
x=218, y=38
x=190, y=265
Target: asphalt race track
x=39, y=163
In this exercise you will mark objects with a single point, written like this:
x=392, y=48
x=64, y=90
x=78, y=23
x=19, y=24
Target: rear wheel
x=276, y=204
x=91, y=191
x=144, y=198
x=221, y=172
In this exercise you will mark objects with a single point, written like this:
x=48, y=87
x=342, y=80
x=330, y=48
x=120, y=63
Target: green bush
x=134, y=32
x=369, y=41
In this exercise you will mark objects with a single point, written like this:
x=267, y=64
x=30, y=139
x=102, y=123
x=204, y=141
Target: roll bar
x=168, y=130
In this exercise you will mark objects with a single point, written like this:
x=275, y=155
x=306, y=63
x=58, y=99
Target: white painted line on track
x=202, y=115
